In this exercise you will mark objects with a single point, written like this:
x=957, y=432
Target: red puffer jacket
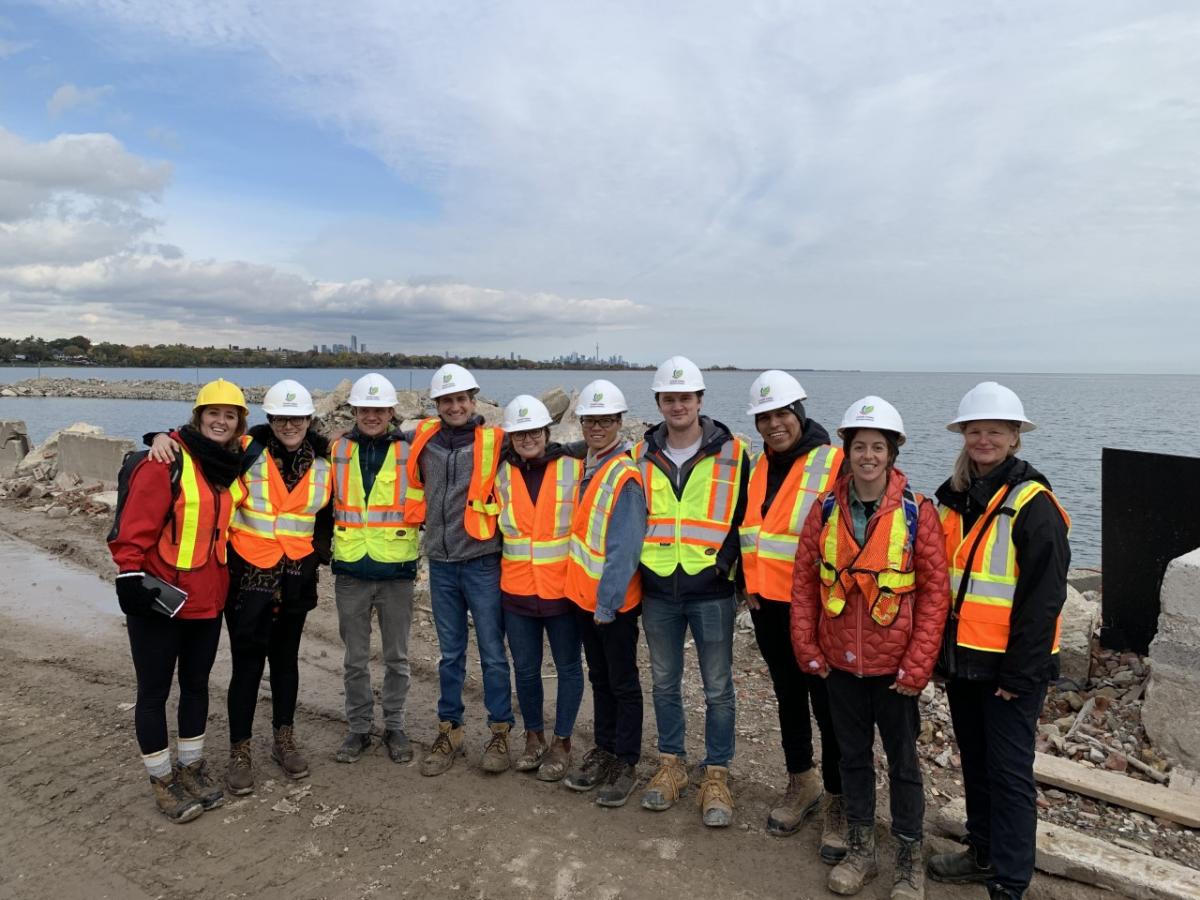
x=853, y=641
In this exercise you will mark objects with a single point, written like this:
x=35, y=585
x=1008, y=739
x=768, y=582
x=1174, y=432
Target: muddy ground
x=79, y=822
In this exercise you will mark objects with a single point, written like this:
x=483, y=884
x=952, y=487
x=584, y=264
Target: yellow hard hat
x=221, y=393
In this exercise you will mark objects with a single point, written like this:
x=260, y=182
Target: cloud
x=12, y=48
x=68, y=97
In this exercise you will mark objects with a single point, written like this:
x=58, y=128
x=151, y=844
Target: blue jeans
x=525, y=642
x=666, y=622
x=454, y=588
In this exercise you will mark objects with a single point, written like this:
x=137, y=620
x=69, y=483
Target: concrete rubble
x=1172, y=712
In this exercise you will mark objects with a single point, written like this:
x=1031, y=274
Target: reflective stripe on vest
x=589, y=530
x=769, y=542
x=537, y=536
x=689, y=531
x=479, y=517
x=199, y=525
x=372, y=525
x=983, y=617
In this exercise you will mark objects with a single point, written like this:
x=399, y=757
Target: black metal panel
x=1148, y=518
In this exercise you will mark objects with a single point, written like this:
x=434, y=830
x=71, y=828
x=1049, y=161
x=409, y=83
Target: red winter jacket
x=853, y=641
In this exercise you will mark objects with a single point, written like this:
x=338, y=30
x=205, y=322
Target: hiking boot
x=716, y=803
x=959, y=867
x=199, y=784
x=833, y=829
x=352, y=747
x=859, y=866
x=803, y=795
x=446, y=746
x=398, y=746
x=535, y=752
x=173, y=800
x=622, y=779
x=285, y=752
x=592, y=771
x=495, y=752
x=667, y=785
x=908, y=878
x=556, y=761
x=997, y=892
x=239, y=774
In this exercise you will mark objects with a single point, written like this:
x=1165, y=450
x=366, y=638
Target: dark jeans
x=249, y=658
x=995, y=741
x=611, y=652
x=795, y=691
x=526, y=639
x=858, y=706
x=157, y=644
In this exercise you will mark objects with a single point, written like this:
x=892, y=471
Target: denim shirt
x=860, y=514
x=622, y=541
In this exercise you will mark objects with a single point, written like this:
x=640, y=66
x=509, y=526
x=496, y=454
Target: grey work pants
x=393, y=603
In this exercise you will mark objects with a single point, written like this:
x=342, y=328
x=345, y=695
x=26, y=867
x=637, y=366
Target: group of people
x=859, y=589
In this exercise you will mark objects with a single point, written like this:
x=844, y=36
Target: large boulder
x=1170, y=713
x=557, y=401
x=14, y=446
x=1080, y=619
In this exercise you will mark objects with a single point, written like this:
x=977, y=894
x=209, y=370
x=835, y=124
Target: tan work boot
x=557, y=760
x=239, y=774
x=716, y=802
x=285, y=752
x=535, y=751
x=196, y=781
x=860, y=866
x=446, y=746
x=495, y=752
x=667, y=785
x=803, y=795
x=173, y=801
x=908, y=879
x=833, y=829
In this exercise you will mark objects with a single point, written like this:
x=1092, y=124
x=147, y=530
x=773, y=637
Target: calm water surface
x=1077, y=415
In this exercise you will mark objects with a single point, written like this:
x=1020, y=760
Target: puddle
x=47, y=590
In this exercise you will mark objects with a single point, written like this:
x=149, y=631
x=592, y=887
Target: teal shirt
x=860, y=514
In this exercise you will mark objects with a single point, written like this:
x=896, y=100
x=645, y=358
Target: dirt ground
x=79, y=821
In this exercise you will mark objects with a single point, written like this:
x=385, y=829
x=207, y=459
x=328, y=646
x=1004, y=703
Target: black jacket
x=1043, y=557
x=812, y=435
x=715, y=581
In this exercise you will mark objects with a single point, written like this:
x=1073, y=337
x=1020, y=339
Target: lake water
x=1077, y=415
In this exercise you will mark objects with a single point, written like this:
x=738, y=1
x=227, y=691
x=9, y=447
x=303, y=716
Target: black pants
x=611, y=654
x=858, y=706
x=995, y=741
x=156, y=644
x=794, y=692
x=249, y=657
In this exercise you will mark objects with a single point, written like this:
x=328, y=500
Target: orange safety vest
x=199, y=523
x=983, y=617
x=769, y=543
x=273, y=522
x=589, y=528
x=479, y=518
x=882, y=570
x=537, y=536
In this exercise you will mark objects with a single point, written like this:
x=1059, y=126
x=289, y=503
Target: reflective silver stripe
x=660, y=531
x=592, y=566
x=991, y=589
x=348, y=516
x=384, y=516
x=748, y=540
x=702, y=533
x=722, y=507
x=291, y=526
x=783, y=546
x=550, y=553
x=568, y=478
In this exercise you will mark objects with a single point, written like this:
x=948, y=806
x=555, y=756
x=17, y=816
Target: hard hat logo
x=867, y=410
x=764, y=391
x=289, y=397
x=678, y=373
x=447, y=378
x=597, y=397
x=373, y=390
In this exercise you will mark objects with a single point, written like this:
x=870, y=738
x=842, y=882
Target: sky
x=936, y=186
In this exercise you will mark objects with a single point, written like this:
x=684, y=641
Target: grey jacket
x=623, y=542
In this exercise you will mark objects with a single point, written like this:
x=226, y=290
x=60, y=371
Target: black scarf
x=220, y=465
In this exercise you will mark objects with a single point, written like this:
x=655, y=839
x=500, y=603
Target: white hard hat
x=451, y=379
x=526, y=413
x=678, y=374
x=774, y=389
x=288, y=398
x=872, y=412
x=599, y=398
x=373, y=390
x=989, y=400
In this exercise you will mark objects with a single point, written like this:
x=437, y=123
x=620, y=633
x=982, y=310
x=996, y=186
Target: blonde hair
x=238, y=432
x=960, y=479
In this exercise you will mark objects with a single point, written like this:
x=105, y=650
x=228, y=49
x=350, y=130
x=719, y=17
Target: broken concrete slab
x=92, y=456
x=14, y=446
x=1080, y=619
x=1085, y=579
x=1170, y=713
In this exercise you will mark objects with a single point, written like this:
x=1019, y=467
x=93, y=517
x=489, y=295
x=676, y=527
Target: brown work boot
x=803, y=795
x=239, y=774
x=535, y=752
x=833, y=829
x=667, y=785
x=964, y=866
x=285, y=752
x=716, y=802
x=556, y=761
x=173, y=800
x=860, y=866
x=495, y=751
x=446, y=746
x=196, y=781
x=908, y=879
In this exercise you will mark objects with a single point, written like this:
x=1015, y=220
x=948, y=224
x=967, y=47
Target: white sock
x=190, y=749
x=158, y=764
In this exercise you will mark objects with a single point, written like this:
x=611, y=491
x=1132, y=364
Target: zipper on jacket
x=450, y=472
